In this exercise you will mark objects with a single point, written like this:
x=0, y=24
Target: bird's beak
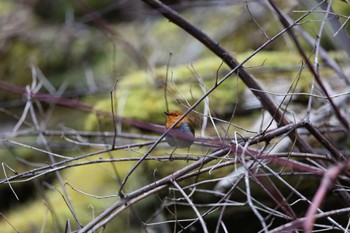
x=166, y=113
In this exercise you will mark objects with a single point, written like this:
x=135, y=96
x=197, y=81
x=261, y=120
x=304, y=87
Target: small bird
x=182, y=134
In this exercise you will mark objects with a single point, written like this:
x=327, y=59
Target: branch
x=237, y=68
x=145, y=191
x=327, y=183
x=317, y=77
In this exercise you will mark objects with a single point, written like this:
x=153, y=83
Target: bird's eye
x=176, y=114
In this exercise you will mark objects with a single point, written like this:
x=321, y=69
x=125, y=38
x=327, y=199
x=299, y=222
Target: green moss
x=140, y=96
x=7, y=6
x=14, y=63
x=342, y=8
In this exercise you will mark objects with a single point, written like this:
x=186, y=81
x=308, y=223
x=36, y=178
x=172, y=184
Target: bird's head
x=172, y=117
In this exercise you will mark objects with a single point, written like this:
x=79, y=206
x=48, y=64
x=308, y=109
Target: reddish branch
x=75, y=104
x=327, y=183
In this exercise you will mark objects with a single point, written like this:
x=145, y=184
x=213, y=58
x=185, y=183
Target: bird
x=182, y=135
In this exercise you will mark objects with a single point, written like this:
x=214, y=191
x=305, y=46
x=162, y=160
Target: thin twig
x=200, y=218
x=108, y=214
x=114, y=89
x=166, y=83
x=8, y=221
x=7, y=180
x=232, y=63
x=301, y=51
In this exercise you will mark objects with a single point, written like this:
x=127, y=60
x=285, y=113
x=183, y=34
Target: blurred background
x=82, y=61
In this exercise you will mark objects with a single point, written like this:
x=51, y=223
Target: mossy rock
x=140, y=95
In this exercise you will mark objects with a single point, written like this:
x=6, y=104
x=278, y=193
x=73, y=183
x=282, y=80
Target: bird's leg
x=188, y=154
x=171, y=154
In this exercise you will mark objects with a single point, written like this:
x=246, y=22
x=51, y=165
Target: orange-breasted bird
x=182, y=134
